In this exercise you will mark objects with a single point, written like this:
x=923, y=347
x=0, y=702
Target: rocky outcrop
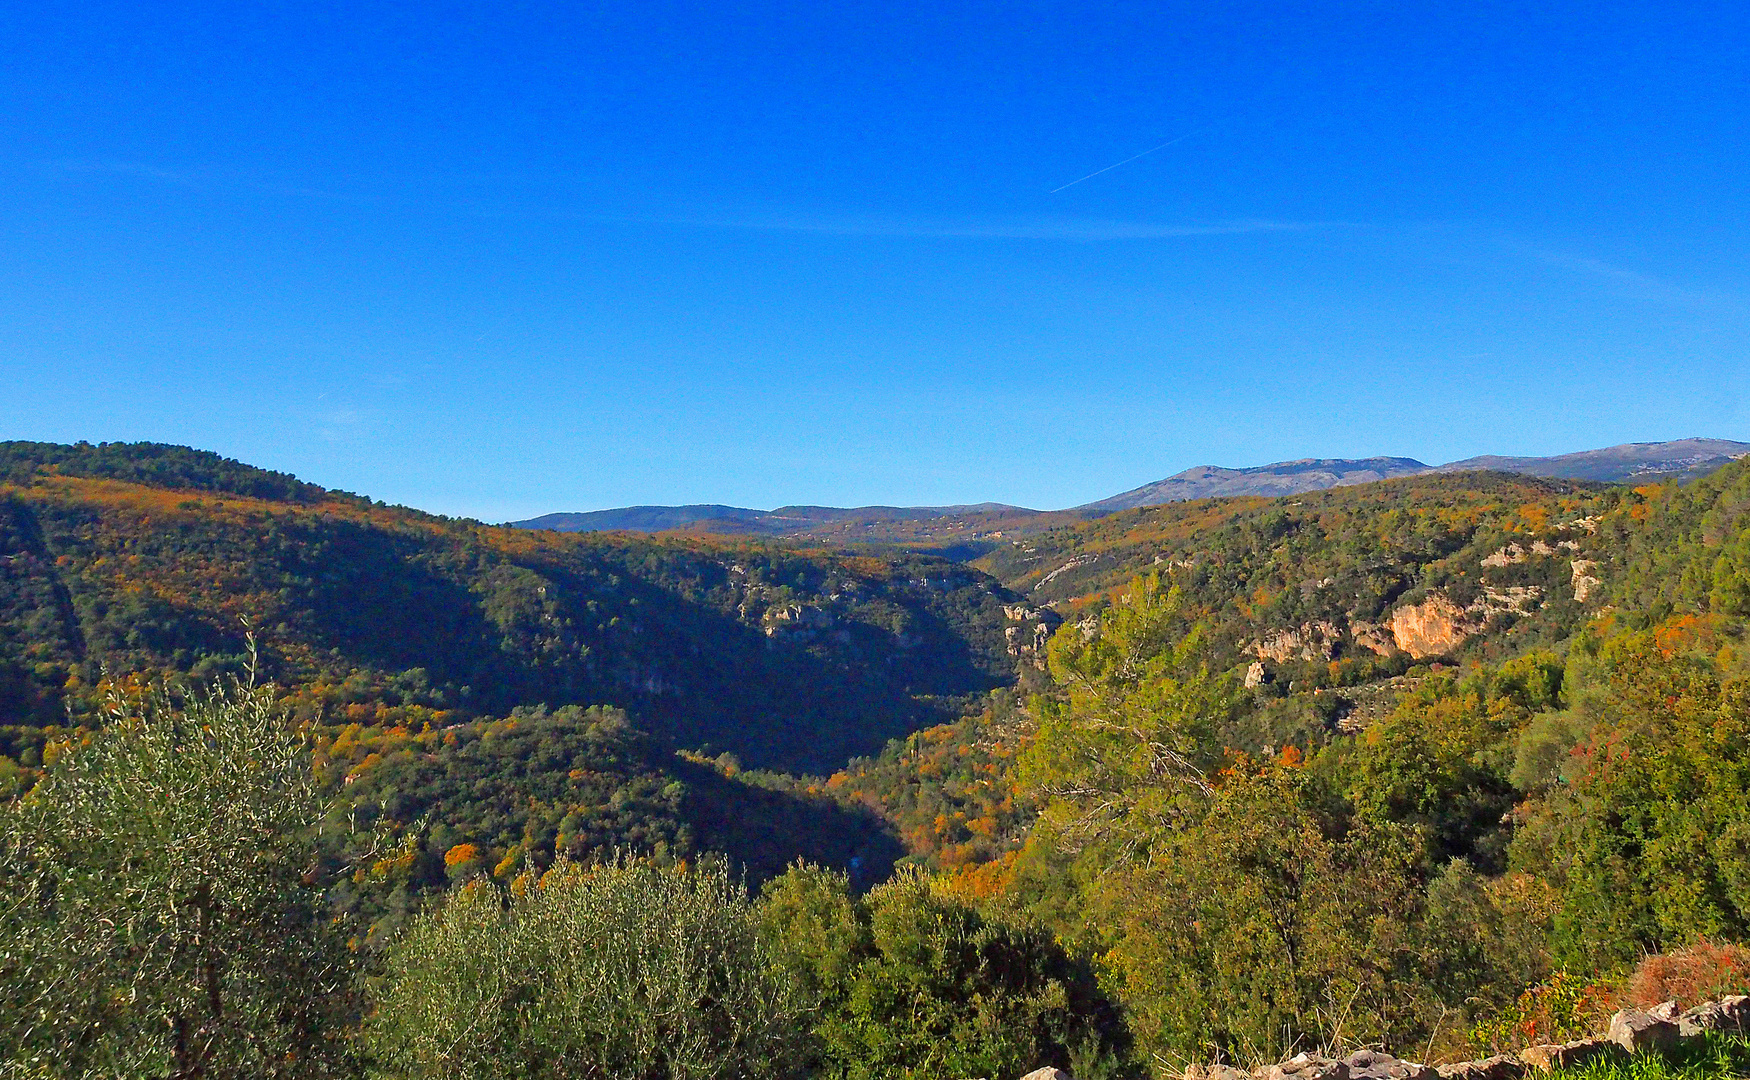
x=1659, y=1030
x=1729, y=1015
x=1373, y=637
x=1515, y=598
x=1499, y=1067
x=1029, y=632
x=1216, y=1072
x=1307, y=1067
x=1372, y=1065
x=1642, y=1032
x=1047, y=1073
x=1569, y=1055
x=1507, y=556
x=1313, y=641
x=1435, y=627
x=1584, y=583
x=798, y=619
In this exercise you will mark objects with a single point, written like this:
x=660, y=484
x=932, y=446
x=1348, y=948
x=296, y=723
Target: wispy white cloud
x=211, y=180
x=1634, y=283
x=1014, y=229
x=118, y=168
x=1126, y=161
x=783, y=221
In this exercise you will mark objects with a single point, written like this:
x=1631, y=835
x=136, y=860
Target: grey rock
x=1308, y=1067
x=1729, y=1014
x=1569, y=1055
x=1641, y=1032
x=1216, y=1072
x=1372, y=1065
x=1665, y=1010
x=1499, y=1067
x=1048, y=1073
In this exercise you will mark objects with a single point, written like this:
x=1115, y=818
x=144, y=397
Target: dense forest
x=146, y=561
x=299, y=784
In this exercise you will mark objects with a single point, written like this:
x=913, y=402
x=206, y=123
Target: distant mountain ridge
x=1680, y=459
x=782, y=521
x=1280, y=478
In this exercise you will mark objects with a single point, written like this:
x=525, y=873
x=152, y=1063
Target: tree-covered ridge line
x=1670, y=555
x=1176, y=900
x=157, y=465
x=1351, y=586
x=497, y=799
x=1136, y=858
x=800, y=658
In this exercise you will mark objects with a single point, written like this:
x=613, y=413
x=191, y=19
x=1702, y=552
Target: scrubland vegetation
x=1179, y=835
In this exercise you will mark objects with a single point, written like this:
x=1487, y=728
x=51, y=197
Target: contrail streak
x=1126, y=161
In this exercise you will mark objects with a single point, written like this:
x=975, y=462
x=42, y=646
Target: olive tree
x=159, y=913
x=622, y=971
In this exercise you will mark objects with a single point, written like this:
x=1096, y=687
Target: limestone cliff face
x=1374, y=638
x=1584, y=583
x=1313, y=641
x=1434, y=627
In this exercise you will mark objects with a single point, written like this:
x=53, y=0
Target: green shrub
x=1647, y=836
x=1566, y=1007
x=914, y=983
x=157, y=907
x=624, y=971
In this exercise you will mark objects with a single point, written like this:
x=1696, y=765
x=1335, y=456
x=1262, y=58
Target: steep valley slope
x=788, y=658
x=493, y=696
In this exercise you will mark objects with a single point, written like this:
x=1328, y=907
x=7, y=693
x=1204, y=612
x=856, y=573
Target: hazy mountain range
x=726, y=518
x=1676, y=459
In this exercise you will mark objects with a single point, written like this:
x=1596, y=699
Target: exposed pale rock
x=1515, y=598
x=1729, y=1014
x=1255, y=675
x=1372, y=1065
x=1308, y=1067
x=1584, y=583
x=1507, y=556
x=1216, y=1072
x=1048, y=1073
x=1665, y=1010
x=1373, y=637
x=1569, y=1055
x=1434, y=627
x=1075, y=563
x=1642, y=1032
x=1313, y=641
x=1499, y=1067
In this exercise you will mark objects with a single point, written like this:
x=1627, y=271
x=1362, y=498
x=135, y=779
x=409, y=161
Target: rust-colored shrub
x=1701, y=972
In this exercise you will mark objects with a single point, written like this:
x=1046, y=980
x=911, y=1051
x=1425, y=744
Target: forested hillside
x=151, y=560
x=1444, y=764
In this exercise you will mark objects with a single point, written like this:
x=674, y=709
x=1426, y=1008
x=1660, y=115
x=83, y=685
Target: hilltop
x=969, y=531
x=1280, y=478
x=1680, y=459
x=151, y=559
x=1375, y=711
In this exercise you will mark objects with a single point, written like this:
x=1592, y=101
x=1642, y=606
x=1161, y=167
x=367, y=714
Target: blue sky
x=503, y=259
